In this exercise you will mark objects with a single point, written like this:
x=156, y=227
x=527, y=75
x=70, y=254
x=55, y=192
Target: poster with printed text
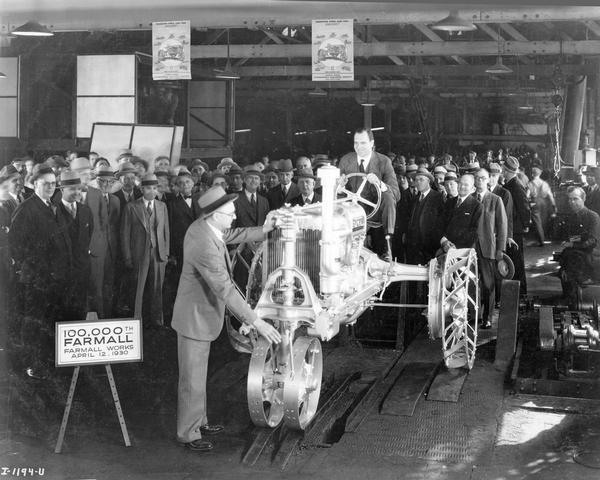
x=332, y=50
x=171, y=50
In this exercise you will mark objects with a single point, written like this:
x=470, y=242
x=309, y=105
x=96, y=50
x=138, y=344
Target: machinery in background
x=313, y=276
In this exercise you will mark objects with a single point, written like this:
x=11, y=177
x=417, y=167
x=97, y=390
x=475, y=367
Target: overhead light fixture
x=317, y=92
x=367, y=98
x=498, y=68
x=2, y=75
x=227, y=73
x=32, y=29
x=453, y=23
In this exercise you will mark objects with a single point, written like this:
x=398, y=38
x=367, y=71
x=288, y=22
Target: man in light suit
x=205, y=289
x=379, y=171
x=104, y=244
x=286, y=190
x=145, y=246
x=491, y=242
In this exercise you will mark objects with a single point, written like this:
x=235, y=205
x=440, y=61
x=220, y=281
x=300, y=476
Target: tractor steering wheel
x=356, y=196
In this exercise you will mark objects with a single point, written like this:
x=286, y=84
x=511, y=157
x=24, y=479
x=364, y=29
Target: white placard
x=332, y=50
x=98, y=342
x=171, y=50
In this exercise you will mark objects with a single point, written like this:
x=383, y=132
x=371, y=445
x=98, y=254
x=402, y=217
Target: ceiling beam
x=434, y=37
x=593, y=26
x=136, y=14
x=415, y=71
x=409, y=49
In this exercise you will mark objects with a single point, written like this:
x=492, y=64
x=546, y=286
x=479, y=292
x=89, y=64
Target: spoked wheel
x=357, y=196
x=265, y=385
x=454, y=306
x=460, y=298
x=302, y=389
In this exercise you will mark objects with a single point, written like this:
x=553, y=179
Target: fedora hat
x=411, y=168
x=440, y=169
x=8, y=172
x=69, y=178
x=235, y=170
x=425, y=173
x=80, y=163
x=214, y=198
x=450, y=176
x=511, y=164
x=306, y=173
x=103, y=171
x=251, y=170
x=286, y=166
x=125, y=167
x=199, y=163
x=494, y=167
x=39, y=170
x=226, y=161
x=149, y=179
x=505, y=268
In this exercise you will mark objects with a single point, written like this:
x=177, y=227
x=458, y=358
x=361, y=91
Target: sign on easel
x=96, y=342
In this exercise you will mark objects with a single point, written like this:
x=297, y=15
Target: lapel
x=139, y=209
x=372, y=164
x=184, y=206
x=219, y=245
x=248, y=206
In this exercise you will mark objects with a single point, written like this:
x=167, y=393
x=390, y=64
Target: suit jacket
x=277, y=199
x=426, y=224
x=137, y=193
x=205, y=285
x=521, y=209
x=492, y=232
x=39, y=244
x=298, y=200
x=79, y=231
x=592, y=200
x=106, y=223
x=180, y=218
x=379, y=164
x=136, y=231
x=462, y=222
x=248, y=216
x=404, y=210
x=506, y=197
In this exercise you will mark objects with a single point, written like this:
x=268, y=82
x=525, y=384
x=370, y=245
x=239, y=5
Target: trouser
x=386, y=214
x=148, y=296
x=487, y=280
x=538, y=224
x=517, y=255
x=192, y=357
x=102, y=279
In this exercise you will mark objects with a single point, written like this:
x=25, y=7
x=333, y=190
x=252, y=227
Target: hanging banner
x=332, y=50
x=171, y=51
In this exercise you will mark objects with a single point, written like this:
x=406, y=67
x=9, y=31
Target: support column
x=596, y=96
x=367, y=117
x=388, y=127
x=573, y=116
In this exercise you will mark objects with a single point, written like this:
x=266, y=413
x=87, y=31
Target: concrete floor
x=488, y=434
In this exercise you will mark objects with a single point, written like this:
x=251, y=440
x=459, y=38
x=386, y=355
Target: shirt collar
x=45, y=201
x=481, y=194
x=309, y=198
x=424, y=194
x=67, y=204
x=249, y=195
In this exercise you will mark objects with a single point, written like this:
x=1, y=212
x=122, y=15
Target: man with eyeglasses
x=104, y=244
x=41, y=251
x=205, y=289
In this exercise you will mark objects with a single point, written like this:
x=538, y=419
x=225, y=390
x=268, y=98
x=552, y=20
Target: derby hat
x=125, y=167
x=149, y=179
x=285, y=166
x=80, y=163
x=214, y=198
x=69, y=178
x=8, y=172
x=425, y=173
x=511, y=164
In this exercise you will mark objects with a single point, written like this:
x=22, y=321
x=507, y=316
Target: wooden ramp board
x=404, y=395
x=447, y=385
x=507, y=324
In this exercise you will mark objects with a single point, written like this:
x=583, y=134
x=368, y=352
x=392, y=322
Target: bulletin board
x=144, y=141
x=9, y=97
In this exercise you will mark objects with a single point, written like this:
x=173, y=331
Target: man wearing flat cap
x=521, y=220
x=205, y=289
x=379, y=171
x=104, y=245
x=76, y=219
x=145, y=243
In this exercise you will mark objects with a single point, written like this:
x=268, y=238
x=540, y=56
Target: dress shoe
x=199, y=445
x=485, y=325
x=211, y=429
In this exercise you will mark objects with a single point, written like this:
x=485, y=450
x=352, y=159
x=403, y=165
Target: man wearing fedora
x=521, y=219
x=205, y=289
x=76, y=219
x=104, y=244
x=306, y=185
x=129, y=191
x=379, y=171
x=235, y=179
x=491, y=242
x=286, y=190
x=145, y=247
x=251, y=208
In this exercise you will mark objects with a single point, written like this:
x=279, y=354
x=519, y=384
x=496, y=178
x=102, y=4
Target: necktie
x=458, y=202
x=361, y=167
x=107, y=201
x=149, y=209
x=51, y=207
x=73, y=210
x=421, y=197
x=479, y=197
x=252, y=200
